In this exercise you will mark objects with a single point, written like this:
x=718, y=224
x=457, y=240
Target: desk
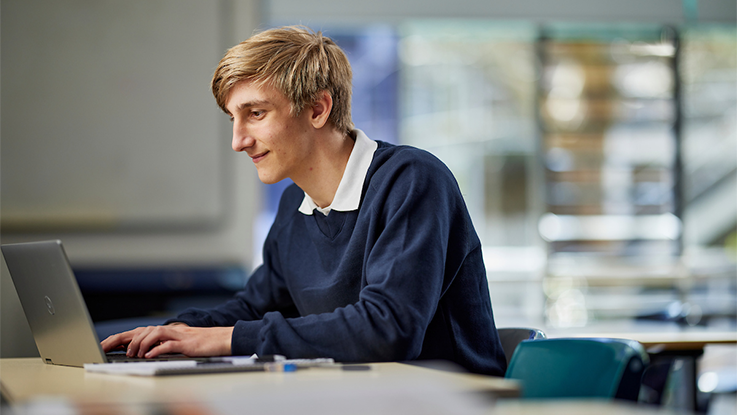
x=386, y=388
x=672, y=341
x=670, y=348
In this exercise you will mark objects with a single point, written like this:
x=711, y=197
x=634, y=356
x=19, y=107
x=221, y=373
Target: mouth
x=258, y=157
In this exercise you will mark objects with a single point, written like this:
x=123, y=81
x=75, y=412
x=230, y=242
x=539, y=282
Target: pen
x=280, y=367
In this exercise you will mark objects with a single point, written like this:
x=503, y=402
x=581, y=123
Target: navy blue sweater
x=402, y=278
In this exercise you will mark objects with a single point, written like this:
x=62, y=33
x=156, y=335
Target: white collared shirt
x=348, y=195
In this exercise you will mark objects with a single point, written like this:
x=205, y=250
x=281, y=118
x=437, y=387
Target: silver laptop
x=54, y=306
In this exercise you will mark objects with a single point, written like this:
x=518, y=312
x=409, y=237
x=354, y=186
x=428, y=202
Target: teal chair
x=512, y=336
x=579, y=368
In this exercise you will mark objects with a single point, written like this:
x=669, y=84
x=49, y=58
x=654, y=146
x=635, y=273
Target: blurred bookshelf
x=609, y=119
x=631, y=118
x=598, y=162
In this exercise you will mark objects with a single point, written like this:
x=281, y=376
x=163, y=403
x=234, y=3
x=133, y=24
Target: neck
x=329, y=159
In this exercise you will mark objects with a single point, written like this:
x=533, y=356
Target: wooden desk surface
x=24, y=380
x=386, y=389
x=672, y=341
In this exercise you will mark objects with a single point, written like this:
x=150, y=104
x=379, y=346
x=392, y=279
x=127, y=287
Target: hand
x=152, y=341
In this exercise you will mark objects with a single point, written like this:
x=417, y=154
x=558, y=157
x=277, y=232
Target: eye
x=257, y=113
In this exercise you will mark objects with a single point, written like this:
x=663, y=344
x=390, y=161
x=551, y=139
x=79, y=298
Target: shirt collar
x=348, y=195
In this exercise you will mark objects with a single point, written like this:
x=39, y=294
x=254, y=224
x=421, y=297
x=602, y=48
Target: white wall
x=111, y=140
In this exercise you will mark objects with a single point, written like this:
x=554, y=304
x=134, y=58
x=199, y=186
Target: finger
x=115, y=340
x=151, y=339
x=138, y=335
x=110, y=342
x=170, y=346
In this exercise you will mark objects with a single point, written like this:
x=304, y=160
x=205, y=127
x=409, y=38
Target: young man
x=372, y=255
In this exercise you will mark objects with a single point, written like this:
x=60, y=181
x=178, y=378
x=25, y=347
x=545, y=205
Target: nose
x=241, y=139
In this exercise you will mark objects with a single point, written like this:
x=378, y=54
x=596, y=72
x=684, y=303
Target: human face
x=279, y=144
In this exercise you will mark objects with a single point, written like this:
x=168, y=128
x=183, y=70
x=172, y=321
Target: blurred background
x=595, y=143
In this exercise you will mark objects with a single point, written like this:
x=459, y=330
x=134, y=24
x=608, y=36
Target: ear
x=321, y=109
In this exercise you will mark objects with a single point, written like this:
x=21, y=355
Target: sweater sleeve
x=265, y=291
x=411, y=210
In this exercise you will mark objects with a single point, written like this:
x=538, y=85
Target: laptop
x=54, y=306
x=65, y=335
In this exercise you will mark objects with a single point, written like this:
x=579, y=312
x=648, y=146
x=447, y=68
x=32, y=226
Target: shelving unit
x=609, y=117
x=596, y=161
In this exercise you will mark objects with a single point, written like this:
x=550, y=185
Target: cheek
x=279, y=139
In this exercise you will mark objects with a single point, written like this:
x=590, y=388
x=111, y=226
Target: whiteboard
x=107, y=117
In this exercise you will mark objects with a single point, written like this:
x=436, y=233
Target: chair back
x=579, y=368
x=512, y=336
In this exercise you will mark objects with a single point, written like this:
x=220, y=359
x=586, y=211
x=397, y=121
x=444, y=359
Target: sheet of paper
x=137, y=368
x=150, y=368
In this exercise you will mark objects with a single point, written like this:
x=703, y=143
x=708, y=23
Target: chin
x=269, y=180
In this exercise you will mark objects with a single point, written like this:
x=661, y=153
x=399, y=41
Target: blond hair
x=295, y=61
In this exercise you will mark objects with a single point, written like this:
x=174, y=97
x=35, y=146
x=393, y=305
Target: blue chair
x=512, y=336
x=579, y=368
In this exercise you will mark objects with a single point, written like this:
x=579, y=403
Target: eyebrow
x=249, y=104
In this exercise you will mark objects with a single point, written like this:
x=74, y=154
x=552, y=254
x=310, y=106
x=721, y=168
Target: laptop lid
x=53, y=304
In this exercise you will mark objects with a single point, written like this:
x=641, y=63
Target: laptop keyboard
x=120, y=357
